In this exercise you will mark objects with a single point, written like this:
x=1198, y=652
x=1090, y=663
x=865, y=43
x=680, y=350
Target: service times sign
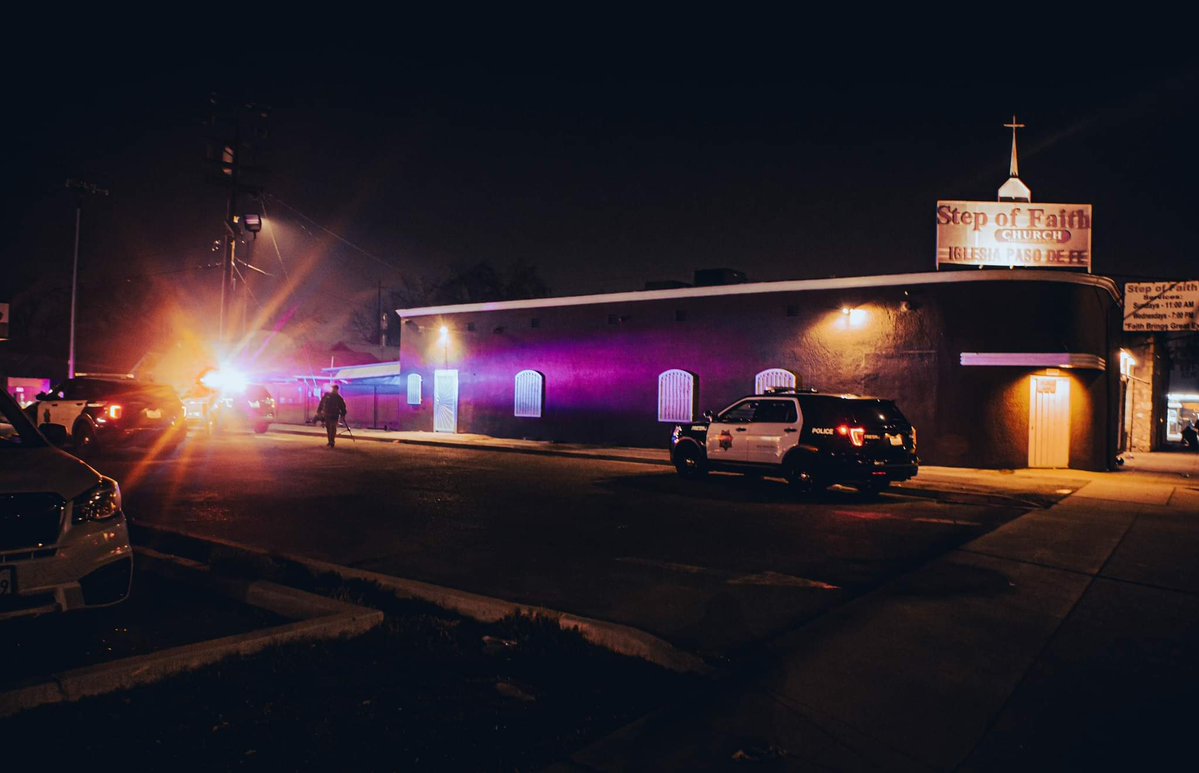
x=989, y=233
x=1161, y=306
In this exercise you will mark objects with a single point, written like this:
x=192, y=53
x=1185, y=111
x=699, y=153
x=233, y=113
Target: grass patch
x=425, y=689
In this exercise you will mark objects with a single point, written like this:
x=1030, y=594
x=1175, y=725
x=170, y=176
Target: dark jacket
x=332, y=407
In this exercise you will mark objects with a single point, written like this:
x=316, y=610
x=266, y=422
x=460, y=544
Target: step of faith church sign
x=1013, y=235
x=1013, y=232
x=1161, y=306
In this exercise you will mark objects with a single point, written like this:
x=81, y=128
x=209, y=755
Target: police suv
x=814, y=440
x=104, y=412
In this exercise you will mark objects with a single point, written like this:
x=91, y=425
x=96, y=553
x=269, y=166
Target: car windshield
x=823, y=409
x=882, y=410
x=16, y=431
x=157, y=393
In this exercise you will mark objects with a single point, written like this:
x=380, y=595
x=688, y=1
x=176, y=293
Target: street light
x=252, y=222
x=80, y=187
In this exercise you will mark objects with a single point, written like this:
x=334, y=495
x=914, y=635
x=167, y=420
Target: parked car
x=813, y=440
x=101, y=413
x=64, y=541
x=248, y=407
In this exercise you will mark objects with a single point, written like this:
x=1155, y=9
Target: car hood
x=45, y=469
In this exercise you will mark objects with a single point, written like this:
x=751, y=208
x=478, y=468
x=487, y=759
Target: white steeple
x=1014, y=189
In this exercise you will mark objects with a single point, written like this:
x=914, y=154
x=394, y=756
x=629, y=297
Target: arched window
x=414, y=389
x=676, y=396
x=773, y=377
x=530, y=388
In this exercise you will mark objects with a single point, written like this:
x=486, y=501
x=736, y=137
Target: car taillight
x=113, y=411
x=857, y=435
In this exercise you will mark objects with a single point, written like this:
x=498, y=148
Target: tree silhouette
x=477, y=283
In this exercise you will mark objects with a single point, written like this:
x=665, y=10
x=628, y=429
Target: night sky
x=602, y=167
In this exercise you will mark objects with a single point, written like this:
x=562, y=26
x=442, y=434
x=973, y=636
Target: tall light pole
x=80, y=187
x=237, y=128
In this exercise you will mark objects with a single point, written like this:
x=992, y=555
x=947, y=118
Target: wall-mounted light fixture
x=909, y=302
x=853, y=316
x=1127, y=363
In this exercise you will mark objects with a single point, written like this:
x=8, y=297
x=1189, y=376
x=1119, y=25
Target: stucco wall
x=601, y=361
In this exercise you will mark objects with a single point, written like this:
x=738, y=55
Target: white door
x=1049, y=422
x=445, y=401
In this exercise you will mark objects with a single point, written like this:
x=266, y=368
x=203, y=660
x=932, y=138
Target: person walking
x=331, y=411
x=1190, y=437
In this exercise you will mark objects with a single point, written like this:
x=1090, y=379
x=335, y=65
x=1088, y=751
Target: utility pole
x=80, y=187
x=230, y=155
x=382, y=322
x=229, y=145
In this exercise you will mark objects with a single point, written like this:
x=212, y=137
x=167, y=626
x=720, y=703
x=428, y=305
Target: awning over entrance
x=372, y=370
x=1035, y=360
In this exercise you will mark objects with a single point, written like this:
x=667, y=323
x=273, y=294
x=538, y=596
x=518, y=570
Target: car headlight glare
x=97, y=504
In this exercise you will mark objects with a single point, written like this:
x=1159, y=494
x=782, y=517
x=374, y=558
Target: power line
x=275, y=241
x=336, y=236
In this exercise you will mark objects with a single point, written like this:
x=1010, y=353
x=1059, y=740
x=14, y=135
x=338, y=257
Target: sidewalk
x=1066, y=639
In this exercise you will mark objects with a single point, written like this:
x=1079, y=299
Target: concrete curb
x=618, y=638
x=319, y=618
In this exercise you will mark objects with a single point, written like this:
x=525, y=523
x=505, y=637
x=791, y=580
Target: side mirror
x=709, y=415
x=41, y=396
x=55, y=433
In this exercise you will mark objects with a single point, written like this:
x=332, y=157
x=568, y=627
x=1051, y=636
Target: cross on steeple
x=1014, y=169
x=1014, y=189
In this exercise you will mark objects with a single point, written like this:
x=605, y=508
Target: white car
x=64, y=542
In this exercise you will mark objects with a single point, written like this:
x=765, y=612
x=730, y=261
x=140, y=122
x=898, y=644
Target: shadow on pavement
x=720, y=487
x=745, y=489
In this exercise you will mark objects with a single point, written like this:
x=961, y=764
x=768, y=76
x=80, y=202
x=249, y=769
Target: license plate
x=153, y=413
x=896, y=440
x=8, y=580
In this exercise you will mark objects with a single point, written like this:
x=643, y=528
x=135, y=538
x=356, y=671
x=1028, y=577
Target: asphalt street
x=709, y=566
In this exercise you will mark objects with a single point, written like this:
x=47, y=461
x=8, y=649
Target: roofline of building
x=368, y=370
x=795, y=285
